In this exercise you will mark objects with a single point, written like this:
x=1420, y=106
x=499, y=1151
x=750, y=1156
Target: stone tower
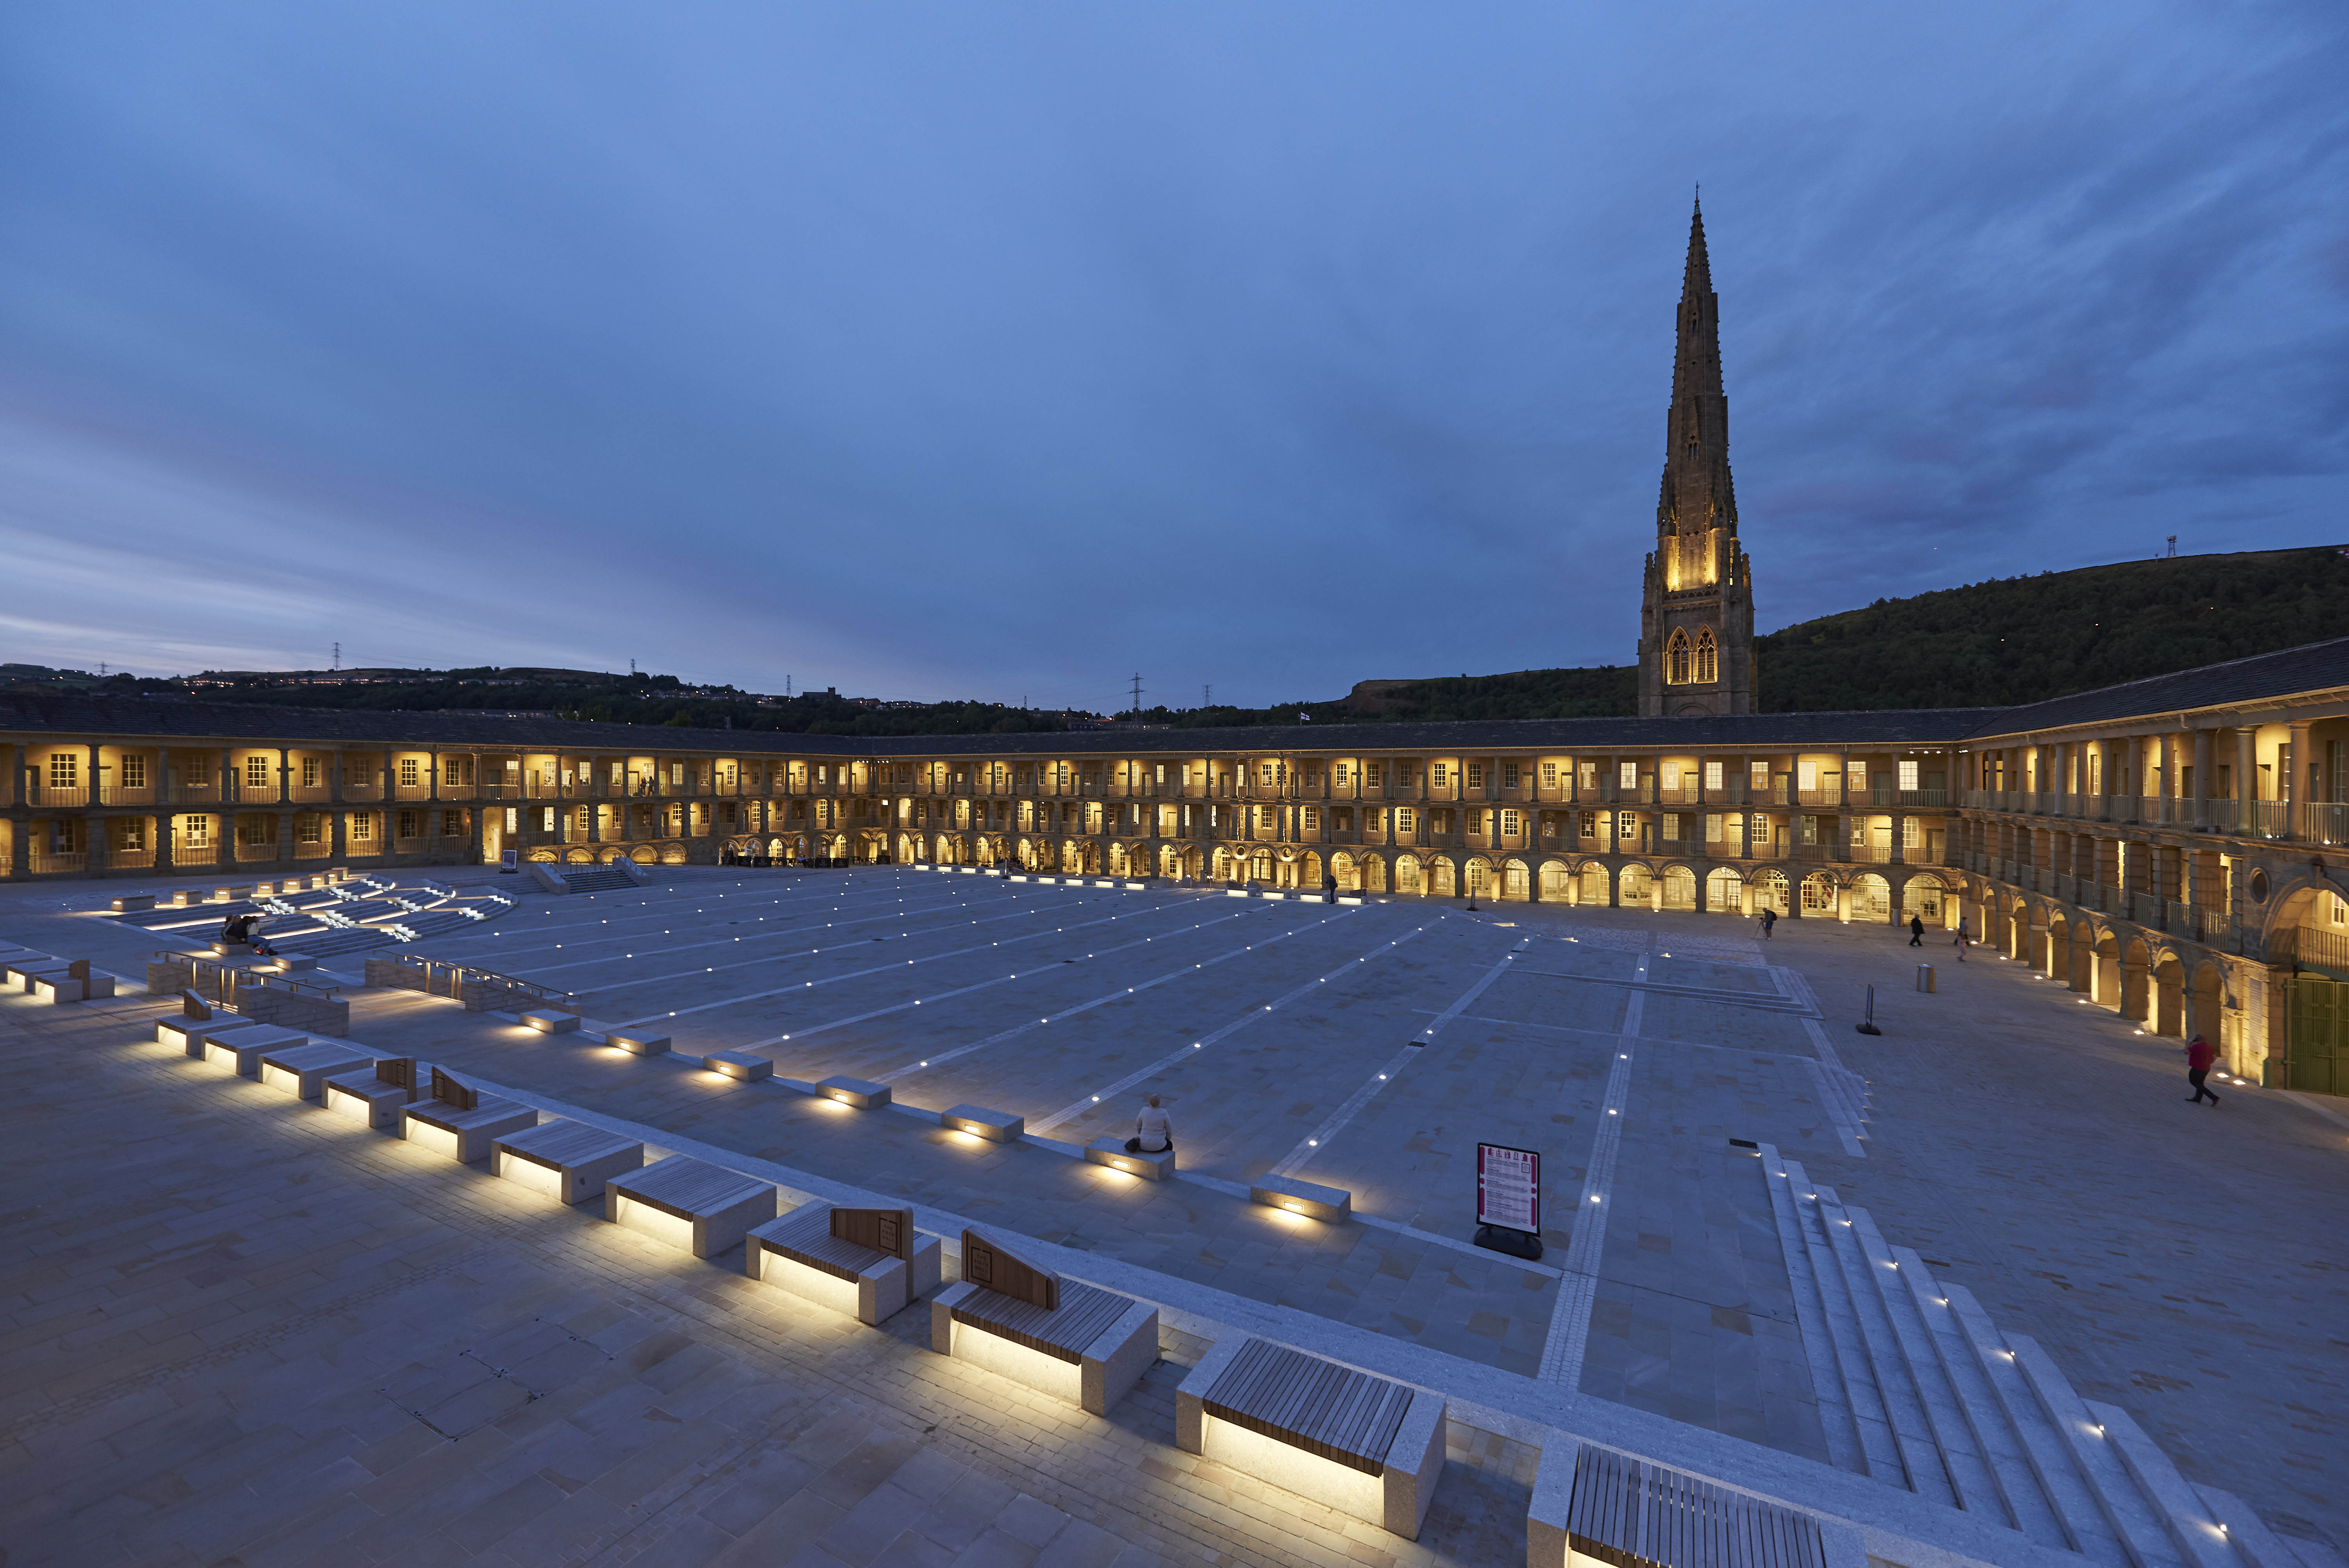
x=1696, y=609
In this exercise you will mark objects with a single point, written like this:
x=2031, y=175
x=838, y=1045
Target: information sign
x=508, y=860
x=1508, y=1188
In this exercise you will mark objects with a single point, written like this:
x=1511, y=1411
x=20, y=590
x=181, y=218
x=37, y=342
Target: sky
x=1005, y=352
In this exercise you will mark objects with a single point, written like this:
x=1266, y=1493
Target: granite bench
x=22, y=971
x=240, y=1043
x=868, y=1264
x=373, y=1094
x=132, y=902
x=1061, y=1337
x=1594, y=1504
x=567, y=1161
x=461, y=1121
x=1334, y=1205
x=547, y=1021
x=1366, y=1446
x=1111, y=1153
x=637, y=1042
x=700, y=1207
x=70, y=987
x=188, y=1033
x=861, y=1093
x=994, y=1125
x=305, y=1069
x=739, y=1065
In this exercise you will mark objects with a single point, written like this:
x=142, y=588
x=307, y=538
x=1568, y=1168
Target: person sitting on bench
x=238, y=928
x=1154, y=1131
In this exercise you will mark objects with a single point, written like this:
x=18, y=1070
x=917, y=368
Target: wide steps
x=1918, y=1388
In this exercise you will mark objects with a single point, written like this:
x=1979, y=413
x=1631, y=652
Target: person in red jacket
x=2199, y=1053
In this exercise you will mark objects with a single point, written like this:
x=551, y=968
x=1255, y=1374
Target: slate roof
x=2314, y=666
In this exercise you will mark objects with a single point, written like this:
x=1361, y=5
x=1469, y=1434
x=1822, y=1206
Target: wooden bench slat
x=1632, y=1514
x=686, y=1187
x=1348, y=1417
x=1084, y=1314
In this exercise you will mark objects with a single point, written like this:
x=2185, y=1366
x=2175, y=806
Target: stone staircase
x=600, y=879
x=1918, y=1388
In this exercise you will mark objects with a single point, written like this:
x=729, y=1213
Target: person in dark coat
x=1769, y=919
x=1916, y=930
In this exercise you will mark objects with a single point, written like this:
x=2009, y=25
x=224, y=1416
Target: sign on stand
x=509, y=861
x=1508, y=1199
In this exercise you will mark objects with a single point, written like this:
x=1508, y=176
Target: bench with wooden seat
x=17, y=973
x=700, y=1207
x=187, y=1034
x=866, y=1262
x=241, y=1042
x=1594, y=1504
x=461, y=1121
x=567, y=1161
x=374, y=1094
x=1366, y=1446
x=305, y=1069
x=1059, y=1336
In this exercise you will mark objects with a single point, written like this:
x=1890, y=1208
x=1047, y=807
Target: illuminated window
x=256, y=772
x=310, y=776
x=64, y=771
x=1627, y=775
x=407, y=773
x=1549, y=774
x=1907, y=775
x=1708, y=661
x=1509, y=824
x=1712, y=775
x=1676, y=658
x=1402, y=819
x=362, y=826
x=1476, y=775
x=134, y=772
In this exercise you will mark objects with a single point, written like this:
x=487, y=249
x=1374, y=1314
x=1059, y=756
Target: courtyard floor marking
x=1570, y=1318
x=896, y=1073
x=648, y=951
x=1319, y=1138
x=813, y=952
x=1768, y=1002
x=856, y=975
x=1072, y=1112
x=568, y=925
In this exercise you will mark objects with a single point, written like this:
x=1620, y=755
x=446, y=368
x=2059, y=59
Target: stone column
x=2292, y=778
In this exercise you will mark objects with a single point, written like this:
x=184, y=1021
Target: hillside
x=2009, y=640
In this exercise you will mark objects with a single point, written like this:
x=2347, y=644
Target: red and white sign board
x=1508, y=1188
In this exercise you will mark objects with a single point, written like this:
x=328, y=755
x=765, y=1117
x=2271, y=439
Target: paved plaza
x=238, y=1329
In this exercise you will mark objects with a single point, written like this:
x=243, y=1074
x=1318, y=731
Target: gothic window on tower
x=1707, y=662
x=1676, y=659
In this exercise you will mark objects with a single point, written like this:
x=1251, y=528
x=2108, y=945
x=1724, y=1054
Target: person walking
x=1154, y=1131
x=1916, y=930
x=1769, y=919
x=2199, y=1053
x=1959, y=942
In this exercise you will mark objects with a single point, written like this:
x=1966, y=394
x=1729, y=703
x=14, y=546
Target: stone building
x=1696, y=606
x=2169, y=850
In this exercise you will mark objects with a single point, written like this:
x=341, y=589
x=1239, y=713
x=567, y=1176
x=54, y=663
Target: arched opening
x=1261, y=867
x=1679, y=889
x=1374, y=875
x=2105, y=989
x=1478, y=876
x=1708, y=658
x=1515, y=883
x=1676, y=658
x=1557, y=878
x=2167, y=1015
x=1407, y=877
x=1724, y=891
x=1771, y=891
x=1594, y=883
x=1871, y=897
x=1442, y=882
x=2205, y=996
x=1818, y=894
x=1924, y=898
x=2137, y=977
x=1635, y=884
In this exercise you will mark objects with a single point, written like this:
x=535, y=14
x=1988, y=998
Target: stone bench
x=739, y=1065
x=859, y=1092
x=376, y=1094
x=131, y=902
x=241, y=1044
x=68, y=987
x=461, y=1121
x=700, y=1207
x=19, y=972
x=1334, y=1205
x=868, y=1264
x=1111, y=1153
x=547, y=1021
x=1061, y=1337
x=294, y=962
x=567, y=1161
x=637, y=1042
x=305, y=1069
x=994, y=1125
x=188, y=1033
x=1366, y=1446
x=1594, y=1504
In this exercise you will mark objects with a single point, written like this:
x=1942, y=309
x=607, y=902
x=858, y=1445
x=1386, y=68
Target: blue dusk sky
x=1006, y=350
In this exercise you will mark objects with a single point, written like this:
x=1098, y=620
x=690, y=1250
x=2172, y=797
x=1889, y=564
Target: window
x=1403, y=774
x=1907, y=775
x=1549, y=774
x=1713, y=776
x=1509, y=824
x=407, y=773
x=134, y=771
x=1627, y=775
x=1343, y=820
x=1627, y=827
x=1374, y=774
x=1442, y=776
x=1858, y=778
x=64, y=771
x=1402, y=819
x=1912, y=833
x=1263, y=773
x=1508, y=775
x=1806, y=775
x=362, y=826
x=1344, y=776
x=1676, y=658
x=1761, y=776
x=411, y=825
x=310, y=776
x=306, y=828
x=1673, y=825
x=1264, y=818
x=1708, y=661
x=256, y=772
x=1672, y=774
x=1590, y=777
x=130, y=833
x=1713, y=827
x=1586, y=827
x=1312, y=820
x=1476, y=775
x=195, y=829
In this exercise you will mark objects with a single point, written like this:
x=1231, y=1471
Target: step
x=2192, y=1530
x=1849, y=1345
x=1995, y=1438
x=2143, y=1534
x=2060, y=1480
x=1836, y=1422
x=1904, y=1407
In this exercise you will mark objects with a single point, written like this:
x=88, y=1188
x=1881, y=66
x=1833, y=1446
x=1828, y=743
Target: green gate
x=2317, y=1012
